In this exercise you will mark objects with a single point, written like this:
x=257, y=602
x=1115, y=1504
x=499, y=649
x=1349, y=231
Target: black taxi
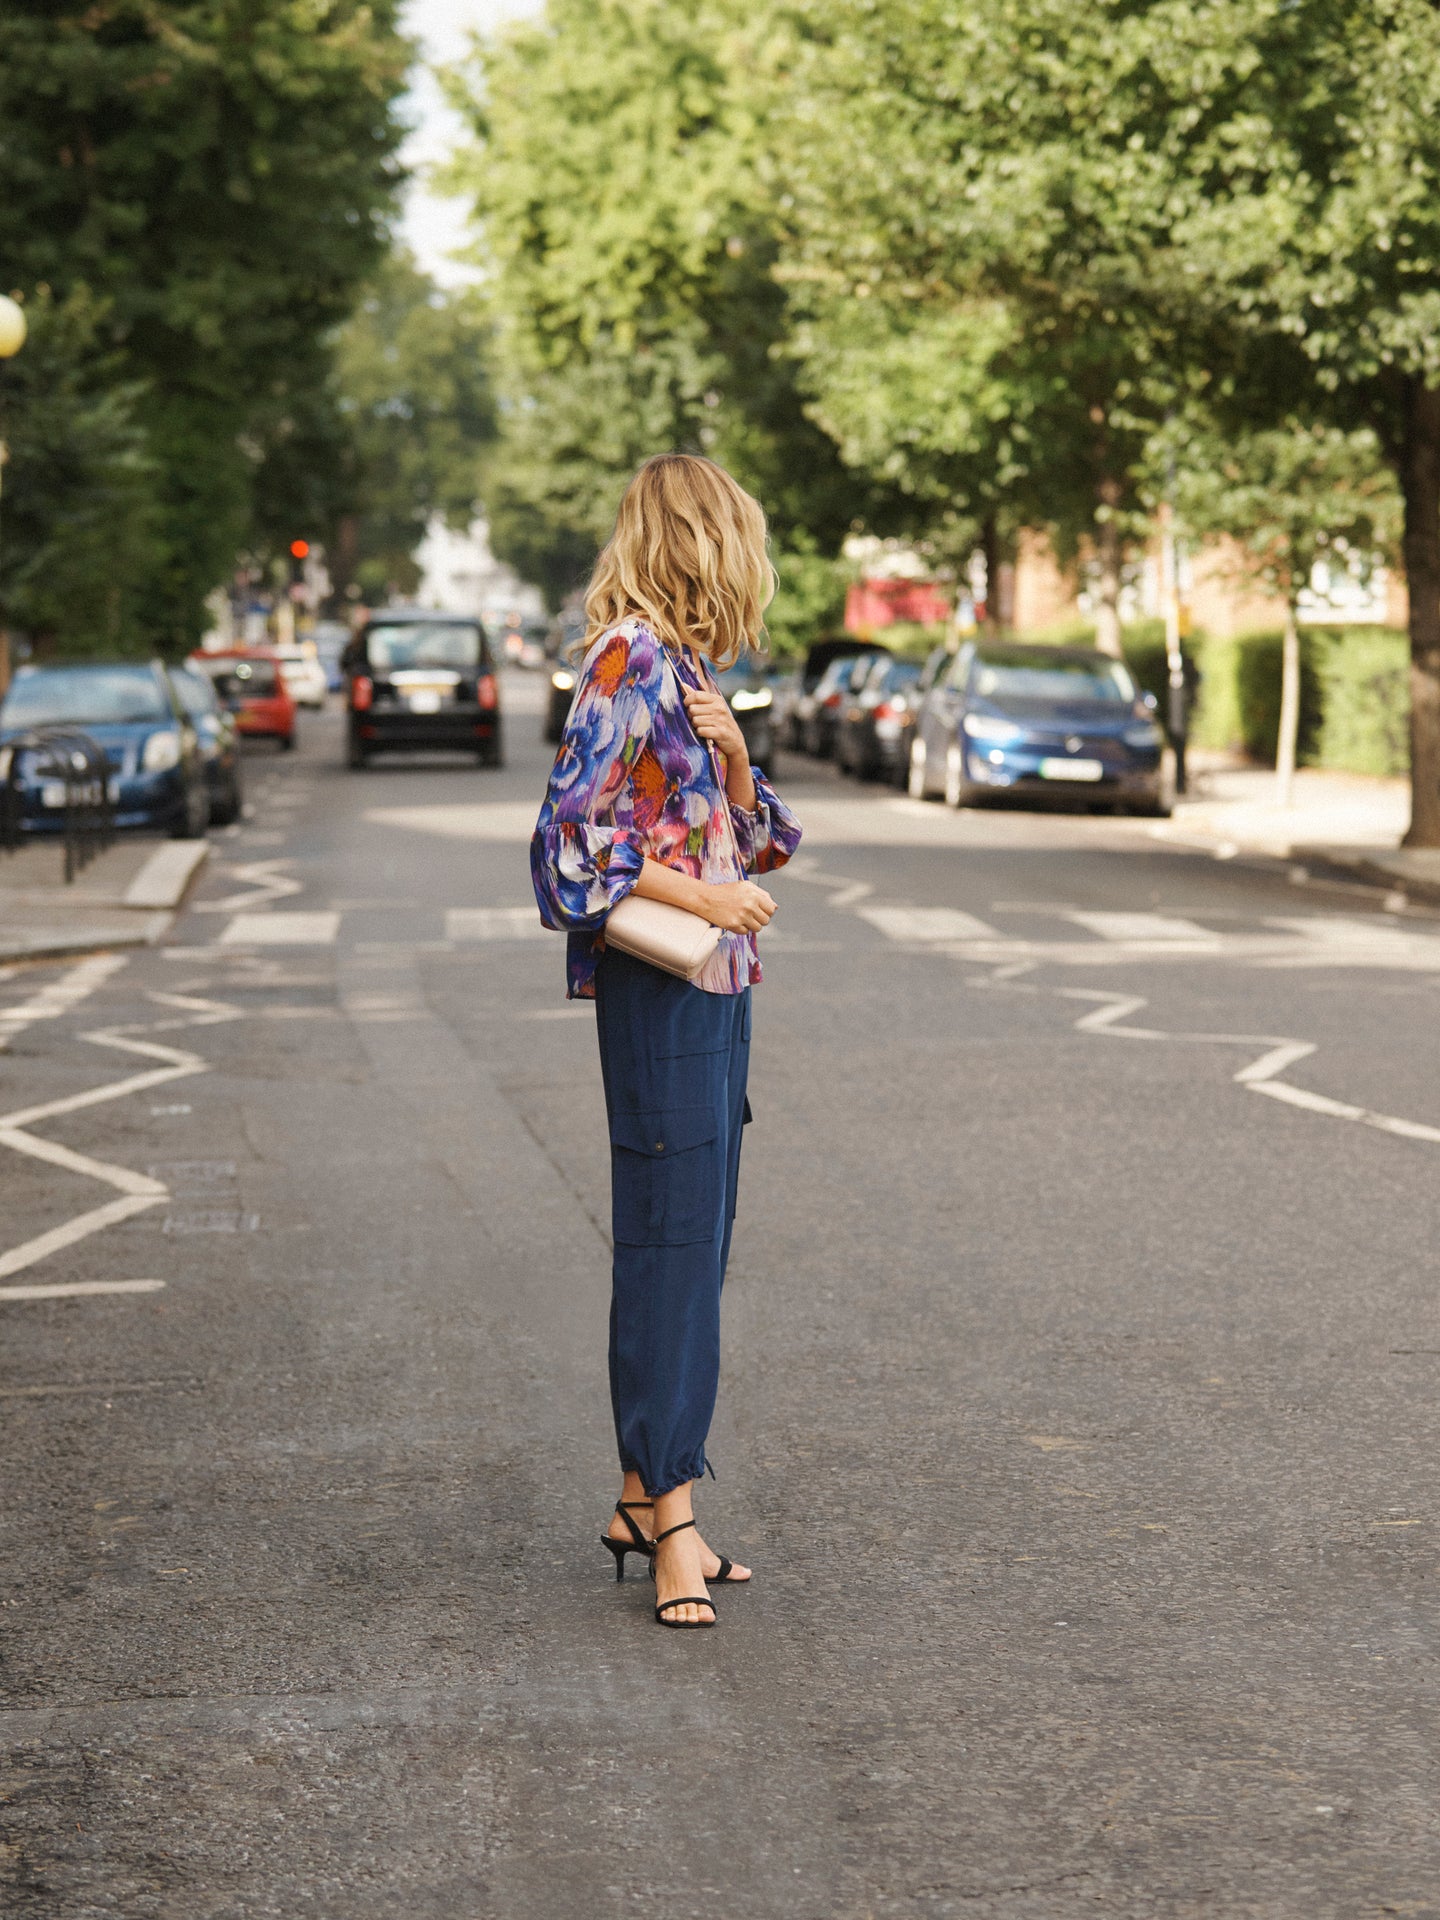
x=417, y=682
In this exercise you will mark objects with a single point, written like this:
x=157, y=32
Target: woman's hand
x=739, y=906
x=712, y=719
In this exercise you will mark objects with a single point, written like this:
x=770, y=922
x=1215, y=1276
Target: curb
x=1381, y=870
x=82, y=940
x=165, y=876
x=146, y=909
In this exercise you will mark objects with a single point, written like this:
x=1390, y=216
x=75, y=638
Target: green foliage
x=412, y=393
x=223, y=171
x=1257, y=664
x=965, y=325
x=1364, y=677
x=809, y=600
x=1288, y=497
x=78, y=543
x=1354, y=698
x=619, y=176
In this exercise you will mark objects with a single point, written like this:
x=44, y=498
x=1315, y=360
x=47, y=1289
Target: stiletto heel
x=637, y=1543
x=685, y=1600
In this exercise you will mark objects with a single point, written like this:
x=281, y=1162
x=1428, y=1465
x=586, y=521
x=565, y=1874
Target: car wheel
x=357, y=756
x=915, y=780
x=226, y=812
x=287, y=742
x=491, y=754
x=194, y=816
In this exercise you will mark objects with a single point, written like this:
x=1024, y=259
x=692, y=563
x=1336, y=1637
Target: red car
x=248, y=682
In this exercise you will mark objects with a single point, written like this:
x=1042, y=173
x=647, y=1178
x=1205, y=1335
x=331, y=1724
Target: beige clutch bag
x=667, y=937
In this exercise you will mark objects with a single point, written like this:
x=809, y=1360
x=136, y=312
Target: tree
x=78, y=533
x=224, y=171
x=412, y=394
x=964, y=327
x=627, y=228
x=1290, y=497
x=1297, y=192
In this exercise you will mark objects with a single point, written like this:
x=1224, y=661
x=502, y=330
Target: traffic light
x=299, y=553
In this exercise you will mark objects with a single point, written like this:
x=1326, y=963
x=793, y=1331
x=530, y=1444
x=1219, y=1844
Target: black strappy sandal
x=637, y=1543
x=685, y=1600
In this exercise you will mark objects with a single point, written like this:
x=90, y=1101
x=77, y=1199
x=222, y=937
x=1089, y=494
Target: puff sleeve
x=582, y=863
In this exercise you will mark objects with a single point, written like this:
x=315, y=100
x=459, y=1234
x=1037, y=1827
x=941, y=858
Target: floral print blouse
x=631, y=778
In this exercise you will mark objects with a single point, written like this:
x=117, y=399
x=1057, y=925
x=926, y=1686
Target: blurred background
x=1065, y=328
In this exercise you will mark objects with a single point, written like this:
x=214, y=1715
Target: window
x=237, y=680
x=86, y=697
x=1018, y=673
x=394, y=649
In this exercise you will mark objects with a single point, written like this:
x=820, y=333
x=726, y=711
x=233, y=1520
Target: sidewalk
x=125, y=898
x=1344, y=819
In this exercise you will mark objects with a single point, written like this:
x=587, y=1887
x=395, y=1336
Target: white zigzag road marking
x=138, y=1191
x=267, y=884
x=1259, y=1076
x=74, y=985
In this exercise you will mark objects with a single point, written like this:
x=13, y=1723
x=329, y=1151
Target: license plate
x=1072, y=770
x=52, y=792
x=424, y=702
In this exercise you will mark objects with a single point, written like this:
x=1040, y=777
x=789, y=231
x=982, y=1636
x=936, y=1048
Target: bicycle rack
x=56, y=755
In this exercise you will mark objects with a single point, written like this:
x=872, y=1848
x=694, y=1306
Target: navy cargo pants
x=674, y=1060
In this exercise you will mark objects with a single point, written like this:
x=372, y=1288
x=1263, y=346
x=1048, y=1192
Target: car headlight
x=746, y=699
x=162, y=751
x=980, y=726
x=562, y=681
x=1146, y=735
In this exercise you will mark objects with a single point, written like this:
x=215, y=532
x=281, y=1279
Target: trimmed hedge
x=1354, y=697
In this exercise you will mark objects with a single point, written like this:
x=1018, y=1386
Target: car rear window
x=393, y=649
x=1009, y=675
x=235, y=680
x=84, y=696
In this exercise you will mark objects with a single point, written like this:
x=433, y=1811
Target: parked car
x=795, y=695
x=752, y=701
x=133, y=712
x=419, y=681
x=249, y=684
x=219, y=743
x=873, y=718
x=1064, y=723
x=304, y=675
x=832, y=690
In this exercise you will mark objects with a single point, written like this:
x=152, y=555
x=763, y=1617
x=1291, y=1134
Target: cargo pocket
x=666, y=1176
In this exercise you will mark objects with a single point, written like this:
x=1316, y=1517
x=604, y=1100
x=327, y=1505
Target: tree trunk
x=990, y=549
x=1107, y=585
x=1289, y=738
x=1420, y=482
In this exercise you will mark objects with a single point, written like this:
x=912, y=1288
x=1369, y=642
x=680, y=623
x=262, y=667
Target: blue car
x=134, y=714
x=1060, y=723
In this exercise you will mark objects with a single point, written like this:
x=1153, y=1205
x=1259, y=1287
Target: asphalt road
x=1079, y=1413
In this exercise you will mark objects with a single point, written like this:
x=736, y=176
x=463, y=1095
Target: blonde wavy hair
x=688, y=557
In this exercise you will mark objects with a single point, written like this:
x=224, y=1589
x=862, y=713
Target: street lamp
x=12, y=327
x=12, y=338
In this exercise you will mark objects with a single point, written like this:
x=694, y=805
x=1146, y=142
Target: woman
x=635, y=804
